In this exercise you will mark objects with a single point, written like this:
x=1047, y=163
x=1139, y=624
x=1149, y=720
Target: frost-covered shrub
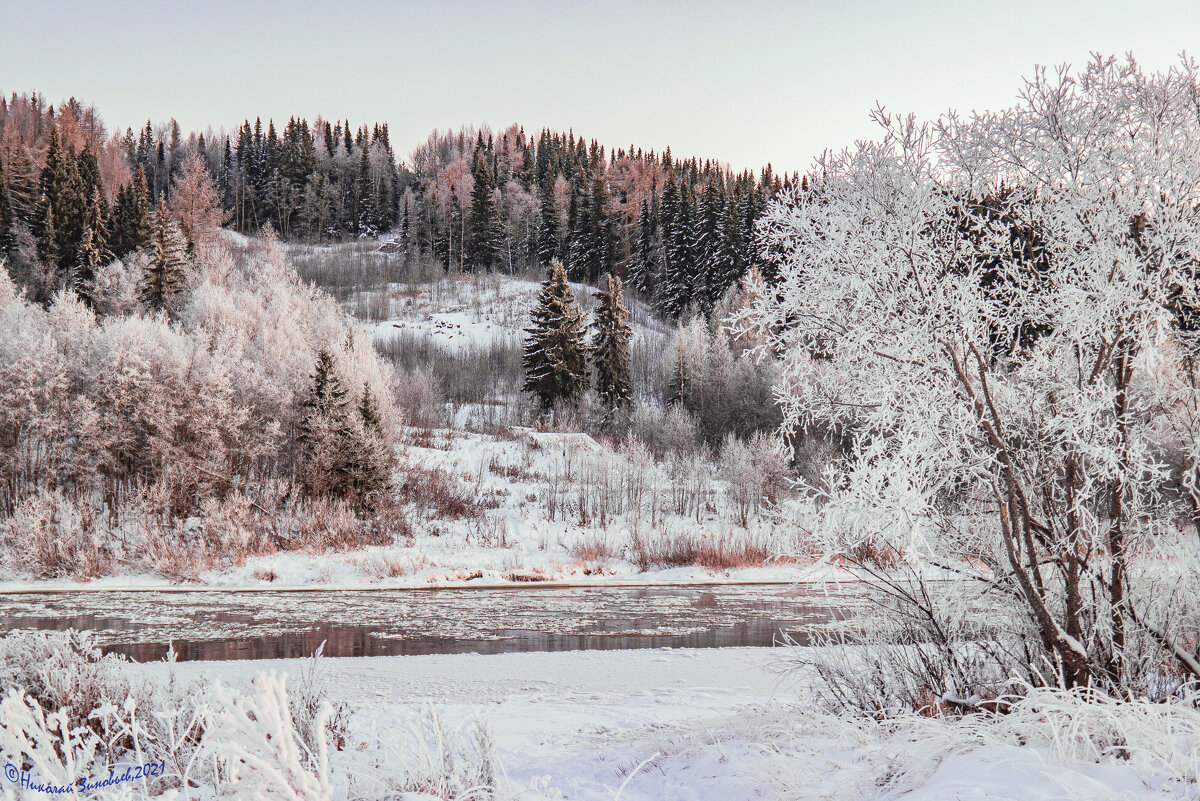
x=419, y=398
x=63, y=672
x=754, y=472
x=665, y=431
x=50, y=535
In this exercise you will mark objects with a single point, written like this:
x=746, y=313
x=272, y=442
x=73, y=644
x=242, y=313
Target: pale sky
x=742, y=82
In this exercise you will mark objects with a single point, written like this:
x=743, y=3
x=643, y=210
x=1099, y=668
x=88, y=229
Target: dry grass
x=265, y=574
x=438, y=493
x=593, y=550
x=715, y=553
x=392, y=565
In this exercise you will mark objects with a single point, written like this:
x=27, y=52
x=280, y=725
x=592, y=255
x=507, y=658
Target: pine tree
x=93, y=252
x=610, y=347
x=483, y=226
x=555, y=357
x=166, y=274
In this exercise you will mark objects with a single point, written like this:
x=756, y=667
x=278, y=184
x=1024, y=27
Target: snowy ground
x=715, y=725
x=474, y=311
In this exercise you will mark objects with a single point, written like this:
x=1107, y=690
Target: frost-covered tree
x=194, y=202
x=610, y=347
x=555, y=356
x=1033, y=469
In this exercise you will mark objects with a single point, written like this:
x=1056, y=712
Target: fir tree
x=167, y=271
x=131, y=220
x=610, y=347
x=555, y=357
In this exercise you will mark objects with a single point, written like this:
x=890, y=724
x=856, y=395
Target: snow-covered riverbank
x=715, y=724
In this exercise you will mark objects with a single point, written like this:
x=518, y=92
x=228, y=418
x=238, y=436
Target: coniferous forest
x=680, y=232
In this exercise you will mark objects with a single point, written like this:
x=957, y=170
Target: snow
x=478, y=311
x=716, y=724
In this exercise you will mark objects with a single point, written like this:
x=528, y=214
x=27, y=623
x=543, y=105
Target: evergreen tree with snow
x=47, y=241
x=167, y=272
x=93, y=252
x=555, y=357
x=709, y=227
x=132, y=226
x=325, y=431
x=7, y=237
x=548, y=225
x=679, y=274
x=483, y=225
x=367, y=459
x=643, y=262
x=610, y=347
x=364, y=195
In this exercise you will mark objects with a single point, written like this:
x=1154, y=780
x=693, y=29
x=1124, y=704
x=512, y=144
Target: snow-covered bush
x=997, y=309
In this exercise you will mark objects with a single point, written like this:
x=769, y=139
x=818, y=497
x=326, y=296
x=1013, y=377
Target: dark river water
x=274, y=625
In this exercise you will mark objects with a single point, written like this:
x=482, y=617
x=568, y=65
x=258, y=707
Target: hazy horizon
x=745, y=86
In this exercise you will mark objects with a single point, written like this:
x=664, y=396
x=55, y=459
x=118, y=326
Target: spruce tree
x=610, y=347
x=7, y=237
x=483, y=226
x=131, y=220
x=680, y=268
x=325, y=431
x=167, y=272
x=363, y=201
x=93, y=252
x=643, y=267
x=709, y=228
x=547, y=232
x=555, y=356
x=47, y=242
x=367, y=461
